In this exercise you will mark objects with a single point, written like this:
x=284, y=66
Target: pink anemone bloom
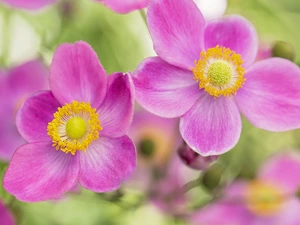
x=269, y=200
x=125, y=6
x=5, y=216
x=76, y=131
x=205, y=74
x=29, y=4
x=156, y=140
x=16, y=85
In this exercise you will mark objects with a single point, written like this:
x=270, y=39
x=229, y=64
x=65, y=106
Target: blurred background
x=121, y=42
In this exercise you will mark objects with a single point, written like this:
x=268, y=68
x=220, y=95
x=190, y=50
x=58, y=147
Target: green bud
x=212, y=176
x=283, y=50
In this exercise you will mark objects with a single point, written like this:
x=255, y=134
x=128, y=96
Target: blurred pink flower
x=29, y=4
x=125, y=6
x=76, y=131
x=16, y=85
x=204, y=74
x=268, y=200
x=167, y=193
x=5, y=216
x=156, y=140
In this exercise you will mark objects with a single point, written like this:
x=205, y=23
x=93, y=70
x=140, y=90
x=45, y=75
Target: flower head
x=270, y=199
x=76, y=131
x=16, y=85
x=205, y=74
x=125, y=6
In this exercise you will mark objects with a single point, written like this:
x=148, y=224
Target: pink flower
x=29, y=4
x=5, y=216
x=76, y=131
x=167, y=193
x=125, y=6
x=268, y=200
x=156, y=140
x=204, y=74
x=16, y=85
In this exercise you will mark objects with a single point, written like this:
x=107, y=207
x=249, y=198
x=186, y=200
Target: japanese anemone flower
x=270, y=199
x=76, y=131
x=16, y=85
x=205, y=74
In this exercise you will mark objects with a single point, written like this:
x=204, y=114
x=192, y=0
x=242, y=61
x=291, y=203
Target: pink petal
x=29, y=4
x=5, y=216
x=212, y=126
x=163, y=89
x=236, y=33
x=106, y=163
x=270, y=97
x=10, y=139
x=125, y=6
x=26, y=79
x=177, y=30
x=35, y=114
x=222, y=213
x=39, y=172
x=76, y=74
x=236, y=191
x=290, y=214
x=116, y=110
x=284, y=170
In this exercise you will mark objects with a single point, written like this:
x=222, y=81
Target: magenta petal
x=125, y=6
x=177, y=30
x=35, y=114
x=270, y=97
x=106, y=163
x=163, y=89
x=222, y=213
x=39, y=172
x=283, y=170
x=212, y=126
x=76, y=74
x=236, y=33
x=29, y=4
x=5, y=216
x=116, y=111
x=26, y=79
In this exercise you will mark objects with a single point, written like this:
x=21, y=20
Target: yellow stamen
x=263, y=198
x=74, y=127
x=219, y=71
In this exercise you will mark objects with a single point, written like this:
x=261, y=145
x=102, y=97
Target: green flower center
x=76, y=128
x=220, y=73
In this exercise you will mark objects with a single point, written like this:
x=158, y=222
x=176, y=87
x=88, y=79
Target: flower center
x=263, y=198
x=74, y=127
x=219, y=71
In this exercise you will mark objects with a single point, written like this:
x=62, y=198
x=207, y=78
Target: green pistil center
x=220, y=73
x=76, y=128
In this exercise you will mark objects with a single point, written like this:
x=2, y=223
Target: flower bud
x=193, y=159
x=212, y=176
x=283, y=50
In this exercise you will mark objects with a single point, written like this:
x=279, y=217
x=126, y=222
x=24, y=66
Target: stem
x=189, y=186
x=143, y=15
